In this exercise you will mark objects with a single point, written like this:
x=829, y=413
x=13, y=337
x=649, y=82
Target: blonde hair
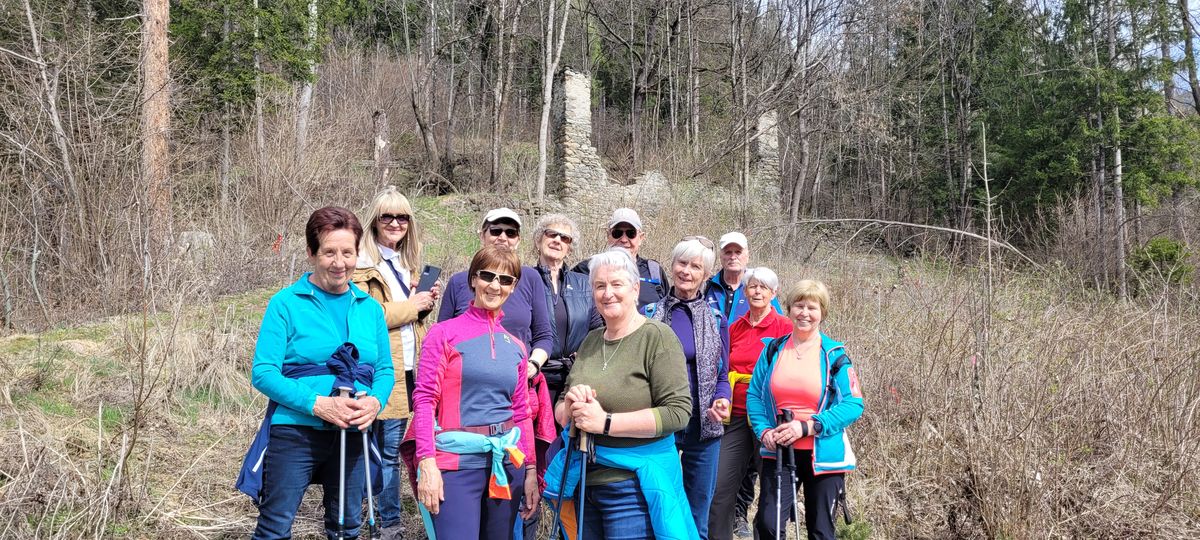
x=409, y=247
x=808, y=289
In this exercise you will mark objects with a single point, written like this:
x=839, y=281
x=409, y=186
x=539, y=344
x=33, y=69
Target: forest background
x=1002, y=194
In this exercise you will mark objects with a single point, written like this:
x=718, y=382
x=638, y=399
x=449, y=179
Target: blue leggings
x=468, y=512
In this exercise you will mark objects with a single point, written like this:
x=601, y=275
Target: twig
x=961, y=232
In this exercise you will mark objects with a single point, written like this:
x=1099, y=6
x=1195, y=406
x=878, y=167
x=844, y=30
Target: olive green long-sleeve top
x=644, y=370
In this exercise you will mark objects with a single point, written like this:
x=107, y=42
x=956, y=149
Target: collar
x=304, y=287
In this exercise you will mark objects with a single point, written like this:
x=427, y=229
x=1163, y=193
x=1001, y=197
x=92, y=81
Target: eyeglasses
x=563, y=237
x=388, y=218
x=704, y=241
x=488, y=277
x=628, y=233
x=507, y=231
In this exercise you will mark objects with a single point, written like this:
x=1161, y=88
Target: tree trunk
x=226, y=135
x=1119, y=227
x=306, y=88
x=260, y=135
x=156, y=119
x=1189, y=52
x=554, y=37
x=382, y=153
x=1165, y=40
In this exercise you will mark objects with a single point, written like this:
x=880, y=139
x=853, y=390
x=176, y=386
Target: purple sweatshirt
x=525, y=312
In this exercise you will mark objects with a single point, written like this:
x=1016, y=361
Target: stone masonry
x=578, y=178
x=764, y=167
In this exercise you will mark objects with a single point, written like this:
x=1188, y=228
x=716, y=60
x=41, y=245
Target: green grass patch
x=50, y=403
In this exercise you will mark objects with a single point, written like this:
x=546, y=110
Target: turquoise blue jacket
x=659, y=475
x=296, y=329
x=831, y=447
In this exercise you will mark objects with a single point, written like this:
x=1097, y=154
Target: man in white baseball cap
x=625, y=230
x=725, y=288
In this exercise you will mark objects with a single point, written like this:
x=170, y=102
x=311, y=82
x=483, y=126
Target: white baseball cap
x=733, y=238
x=498, y=214
x=625, y=215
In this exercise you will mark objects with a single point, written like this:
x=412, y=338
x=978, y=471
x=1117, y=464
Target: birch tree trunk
x=1189, y=52
x=554, y=36
x=306, y=89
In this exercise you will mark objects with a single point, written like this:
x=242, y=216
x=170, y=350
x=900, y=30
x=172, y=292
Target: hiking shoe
x=741, y=528
x=395, y=532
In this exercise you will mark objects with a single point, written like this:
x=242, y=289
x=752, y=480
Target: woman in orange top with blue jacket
x=810, y=375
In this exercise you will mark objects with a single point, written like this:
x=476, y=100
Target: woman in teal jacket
x=809, y=377
x=304, y=325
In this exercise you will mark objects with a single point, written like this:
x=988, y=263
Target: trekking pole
x=562, y=484
x=341, y=535
x=366, y=449
x=784, y=415
x=790, y=465
x=585, y=442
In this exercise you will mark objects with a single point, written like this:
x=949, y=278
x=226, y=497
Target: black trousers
x=739, y=451
x=820, y=494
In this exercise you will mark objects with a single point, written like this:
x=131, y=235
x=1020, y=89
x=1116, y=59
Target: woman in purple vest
x=705, y=338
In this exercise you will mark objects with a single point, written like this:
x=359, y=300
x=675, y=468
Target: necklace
x=606, y=356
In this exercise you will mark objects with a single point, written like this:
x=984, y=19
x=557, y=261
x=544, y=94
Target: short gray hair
x=687, y=250
x=763, y=275
x=554, y=219
x=617, y=257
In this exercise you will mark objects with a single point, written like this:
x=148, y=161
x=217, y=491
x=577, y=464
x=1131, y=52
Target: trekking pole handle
x=785, y=415
x=344, y=391
x=584, y=439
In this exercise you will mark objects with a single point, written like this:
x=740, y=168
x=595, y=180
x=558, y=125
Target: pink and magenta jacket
x=471, y=373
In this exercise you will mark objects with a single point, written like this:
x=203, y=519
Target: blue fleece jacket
x=831, y=447
x=731, y=302
x=525, y=313
x=298, y=329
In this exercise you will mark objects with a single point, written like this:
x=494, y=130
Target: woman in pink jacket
x=471, y=422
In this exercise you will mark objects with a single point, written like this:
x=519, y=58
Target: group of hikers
x=636, y=399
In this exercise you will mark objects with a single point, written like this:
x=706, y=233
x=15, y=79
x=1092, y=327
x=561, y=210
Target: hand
x=531, y=369
x=579, y=392
x=533, y=497
x=423, y=300
x=788, y=433
x=436, y=291
x=719, y=412
x=588, y=416
x=768, y=440
x=429, y=485
x=365, y=411
x=335, y=410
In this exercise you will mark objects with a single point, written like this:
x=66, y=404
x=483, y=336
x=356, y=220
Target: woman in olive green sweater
x=629, y=387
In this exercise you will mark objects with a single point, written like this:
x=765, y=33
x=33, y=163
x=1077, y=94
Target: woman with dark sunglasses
x=472, y=429
x=527, y=316
x=389, y=259
x=568, y=297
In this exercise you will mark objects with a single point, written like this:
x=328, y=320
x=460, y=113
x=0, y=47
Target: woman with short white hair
x=628, y=389
x=739, y=448
x=703, y=333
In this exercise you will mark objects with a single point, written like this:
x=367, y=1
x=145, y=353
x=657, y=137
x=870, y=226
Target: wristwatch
x=607, y=422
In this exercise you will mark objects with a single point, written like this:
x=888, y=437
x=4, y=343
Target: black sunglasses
x=629, y=233
x=507, y=231
x=563, y=237
x=488, y=277
x=388, y=218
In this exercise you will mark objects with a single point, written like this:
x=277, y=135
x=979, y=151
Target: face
x=614, y=292
x=806, y=315
x=734, y=258
x=334, y=260
x=688, y=275
x=759, y=295
x=490, y=295
x=501, y=233
x=629, y=237
x=555, y=244
x=391, y=227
